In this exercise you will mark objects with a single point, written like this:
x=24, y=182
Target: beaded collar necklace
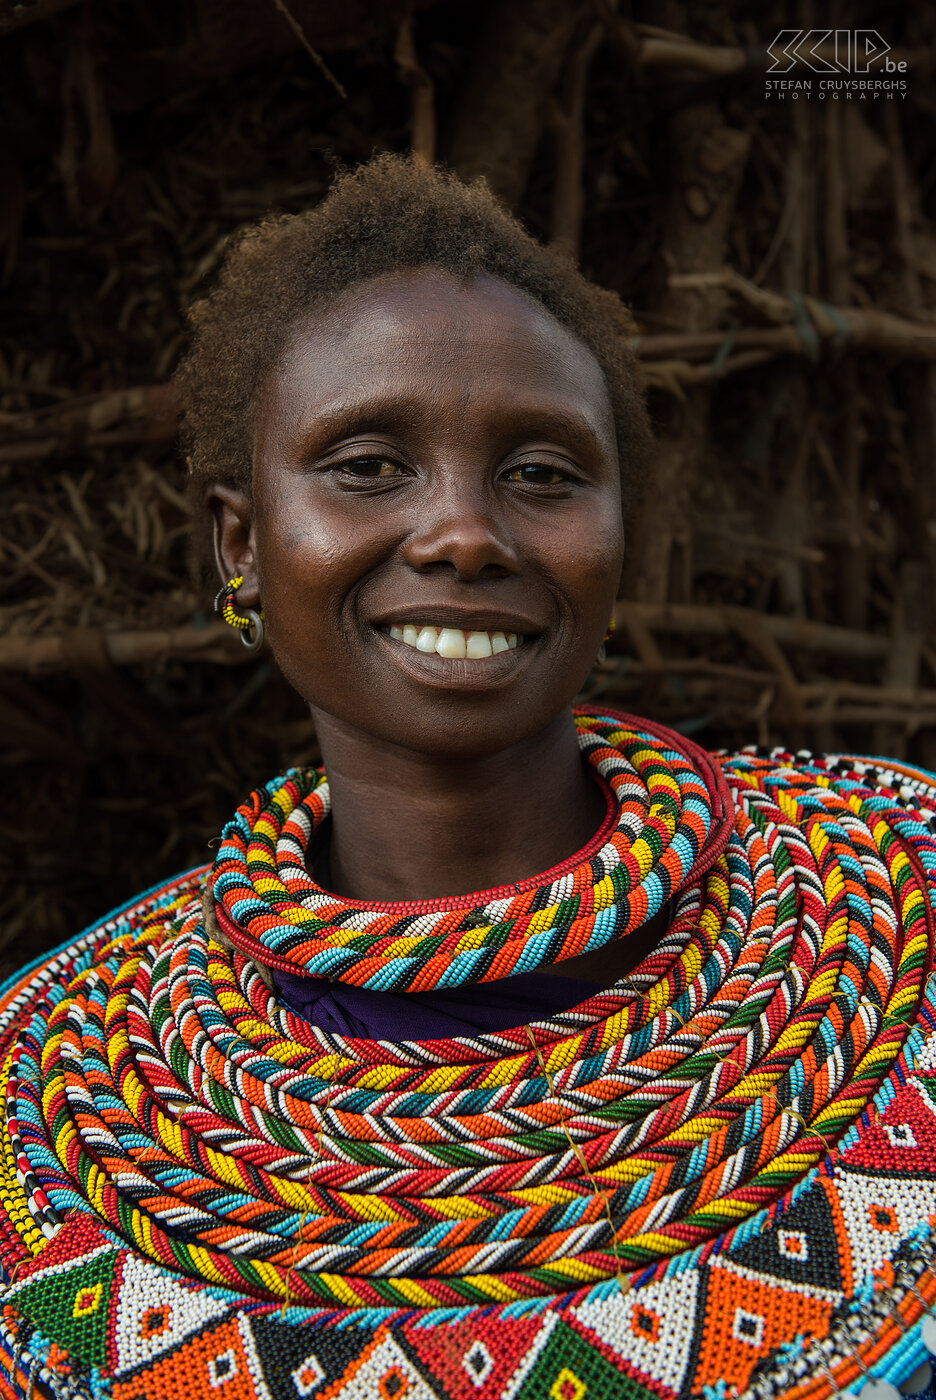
x=716, y=1178
x=669, y=822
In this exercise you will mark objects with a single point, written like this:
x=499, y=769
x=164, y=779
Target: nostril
x=437, y=566
x=462, y=540
x=468, y=573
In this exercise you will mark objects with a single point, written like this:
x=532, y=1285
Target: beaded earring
x=248, y=622
x=603, y=649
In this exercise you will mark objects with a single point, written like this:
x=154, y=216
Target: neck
x=411, y=826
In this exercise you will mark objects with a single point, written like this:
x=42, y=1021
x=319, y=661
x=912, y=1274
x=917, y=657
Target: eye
x=371, y=467
x=537, y=474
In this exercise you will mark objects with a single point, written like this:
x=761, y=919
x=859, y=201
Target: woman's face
x=436, y=534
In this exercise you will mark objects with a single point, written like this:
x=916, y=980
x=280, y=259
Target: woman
x=535, y=1053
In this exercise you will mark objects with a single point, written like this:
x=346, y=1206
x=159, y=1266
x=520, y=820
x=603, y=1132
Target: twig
x=675, y=376
x=316, y=57
x=903, y=209
x=144, y=413
x=907, y=721
x=691, y=620
x=660, y=48
x=568, y=203
x=500, y=113
x=860, y=330
x=216, y=643
x=838, y=271
x=422, y=94
x=712, y=60
x=40, y=449
x=704, y=179
x=754, y=629
x=896, y=696
x=618, y=667
x=821, y=702
x=854, y=564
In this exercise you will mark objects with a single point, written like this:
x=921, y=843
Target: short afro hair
x=391, y=213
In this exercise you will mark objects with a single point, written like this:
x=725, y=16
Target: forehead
x=439, y=332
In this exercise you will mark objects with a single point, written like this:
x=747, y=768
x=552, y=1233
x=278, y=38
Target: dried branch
x=704, y=181
x=502, y=106
x=689, y=620
x=837, y=702
x=422, y=94
x=315, y=56
x=568, y=122
x=864, y=330
x=215, y=642
x=148, y=413
x=649, y=46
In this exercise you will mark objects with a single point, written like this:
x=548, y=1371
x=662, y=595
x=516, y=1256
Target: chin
x=460, y=728
x=474, y=733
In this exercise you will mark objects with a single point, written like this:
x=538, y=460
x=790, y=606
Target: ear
x=234, y=540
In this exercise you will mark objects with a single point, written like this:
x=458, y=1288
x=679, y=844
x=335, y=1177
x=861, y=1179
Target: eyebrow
x=563, y=424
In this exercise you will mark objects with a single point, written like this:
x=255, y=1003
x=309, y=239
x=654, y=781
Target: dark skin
x=434, y=454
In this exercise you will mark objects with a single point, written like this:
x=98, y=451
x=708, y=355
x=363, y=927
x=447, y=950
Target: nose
x=460, y=529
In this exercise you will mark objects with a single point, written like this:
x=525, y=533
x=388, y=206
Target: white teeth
x=455, y=643
x=451, y=643
x=477, y=646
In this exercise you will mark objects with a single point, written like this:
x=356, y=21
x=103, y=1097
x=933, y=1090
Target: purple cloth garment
x=450, y=1011
x=437, y=1015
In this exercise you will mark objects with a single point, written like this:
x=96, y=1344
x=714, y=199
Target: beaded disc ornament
x=716, y=1178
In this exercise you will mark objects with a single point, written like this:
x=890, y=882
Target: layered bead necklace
x=653, y=1193
x=670, y=821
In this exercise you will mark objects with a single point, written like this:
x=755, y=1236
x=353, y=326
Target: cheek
x=593, y=569
x=305, y=556
x=301, y=582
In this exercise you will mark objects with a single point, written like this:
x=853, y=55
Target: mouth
x=454, y=643
x=474, y=660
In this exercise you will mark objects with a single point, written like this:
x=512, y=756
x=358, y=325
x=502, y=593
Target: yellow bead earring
x=603, y=649
x=247, y=622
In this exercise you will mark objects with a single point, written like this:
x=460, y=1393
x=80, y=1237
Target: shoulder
x=147, y=916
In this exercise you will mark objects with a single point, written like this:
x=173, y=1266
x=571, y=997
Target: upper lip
x=465, y=619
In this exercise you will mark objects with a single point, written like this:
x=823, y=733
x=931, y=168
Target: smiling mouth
x=453, y=642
